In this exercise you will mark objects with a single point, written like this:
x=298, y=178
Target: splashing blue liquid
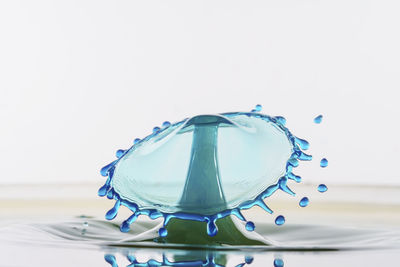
x=318, y=119
x=278, y=263
x=304, y=202
x=280, y=220
x=323, y=163
x=196, y=154
x=322, y=188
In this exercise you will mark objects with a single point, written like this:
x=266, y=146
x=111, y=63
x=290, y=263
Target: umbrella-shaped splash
x=204, y=169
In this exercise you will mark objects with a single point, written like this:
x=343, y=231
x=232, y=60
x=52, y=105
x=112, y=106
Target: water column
x=203, y=193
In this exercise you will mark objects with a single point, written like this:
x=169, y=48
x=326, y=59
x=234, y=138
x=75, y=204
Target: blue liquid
x=278, y=263
x=280, y=220
x=318, y=119
x=304, y=202
x=323, y=163
x=193, y=153
x=250, y=226
x=322, y=188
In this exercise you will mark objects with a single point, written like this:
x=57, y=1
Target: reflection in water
x=185, y=258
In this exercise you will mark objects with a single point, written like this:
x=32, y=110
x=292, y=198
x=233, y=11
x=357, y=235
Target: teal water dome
x=199, y=173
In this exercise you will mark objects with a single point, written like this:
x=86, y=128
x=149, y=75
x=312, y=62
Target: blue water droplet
x=304, y=202
x=156, y=129
x=166, y=124
x=278, y=263
x=324, y=163
x=280, y=220
x=318, y=119
x=137, y=140
x=322, y=188
x=119, y=153
x=248, y=259
x=250, y=226
x=258, y=108
x=162, y=232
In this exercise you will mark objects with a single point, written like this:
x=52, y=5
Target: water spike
x=302, y=143
x=285, y=188
x=137, y=140
x=111, y=260
x=294, y=177
x=262, y=205
x=166, y=124
x=281, y=120
x=294, y=162
x=212, y=229
x=103, y=190
x=110, y=194
x=250, y=226
x=156, y=129
x=304, y=156
x=113, y=212
x=258, y=108
x=104, y=171
x=119, y=153
x=125, y=226
x=318, y=119
x=238, y=214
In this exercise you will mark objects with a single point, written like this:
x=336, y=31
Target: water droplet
x=322, y=188
x=119, y=153
x=280, y=220
x=166, y=124
x=85, y=224
x=162, y=232
x=258, y=108
x=156, y=129
x=324, y=163
x=137, y=140
x=318, y=119
x=278, y=263
x=248, y=259
x=304, y=202
x=250, y=226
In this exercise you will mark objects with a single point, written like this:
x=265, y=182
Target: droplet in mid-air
x=324, y=163
x=280, y=220
x=304, y=202
x=162, y=232
x=278, y=263
x=318, y=119
x=322, y=188
x=250, y=226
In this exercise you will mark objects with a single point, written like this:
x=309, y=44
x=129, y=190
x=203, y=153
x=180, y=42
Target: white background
x=81, y=79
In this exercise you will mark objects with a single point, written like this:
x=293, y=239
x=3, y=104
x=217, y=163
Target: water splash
x=202, y=135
